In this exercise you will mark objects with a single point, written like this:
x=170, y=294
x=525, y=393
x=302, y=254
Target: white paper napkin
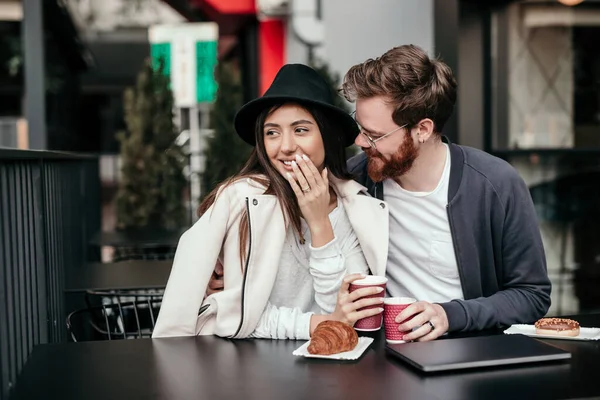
x=529, y=330
x=363, y=343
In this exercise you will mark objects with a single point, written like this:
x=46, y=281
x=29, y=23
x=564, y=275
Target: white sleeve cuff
x=331, y=249
x=303, y=326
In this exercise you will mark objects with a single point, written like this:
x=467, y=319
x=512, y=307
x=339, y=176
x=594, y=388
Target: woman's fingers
x=324, y=176
x=348, y=279
x=362, y=292
x=369, y=312
x=310, y=171
x=372, y=301
x=294, y=185
x=351, y=306
x=302, y=182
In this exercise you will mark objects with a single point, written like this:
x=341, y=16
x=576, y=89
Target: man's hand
x=216, y=283
x=429, y=319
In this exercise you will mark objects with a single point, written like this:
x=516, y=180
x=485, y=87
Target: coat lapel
x=369, y=218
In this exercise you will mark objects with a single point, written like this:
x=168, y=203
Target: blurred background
x=142, y=95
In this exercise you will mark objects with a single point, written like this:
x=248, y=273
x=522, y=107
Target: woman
x=288, y=228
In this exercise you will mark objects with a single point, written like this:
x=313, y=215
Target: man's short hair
x=417, y=86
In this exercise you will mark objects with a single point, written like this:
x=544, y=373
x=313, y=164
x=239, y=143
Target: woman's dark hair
x=259, y=168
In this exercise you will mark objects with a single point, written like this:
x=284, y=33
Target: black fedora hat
x=295, y=83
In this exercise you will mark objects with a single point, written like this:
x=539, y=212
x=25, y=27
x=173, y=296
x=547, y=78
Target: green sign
x=162, y=51
x=189, y=54
x=190, y=65
x=206, y=61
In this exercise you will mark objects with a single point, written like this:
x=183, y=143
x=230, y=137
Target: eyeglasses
x=370, y=140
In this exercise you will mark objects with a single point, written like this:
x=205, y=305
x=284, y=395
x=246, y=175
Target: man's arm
x=524, y=294
x=216, y=282
x=357, y=167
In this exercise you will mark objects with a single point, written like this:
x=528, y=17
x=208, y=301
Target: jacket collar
x=457, y=159
x=346, y=188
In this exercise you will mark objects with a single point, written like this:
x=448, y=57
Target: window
x=546, y=71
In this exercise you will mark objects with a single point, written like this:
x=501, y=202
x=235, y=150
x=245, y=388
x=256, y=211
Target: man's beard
x=400, y=162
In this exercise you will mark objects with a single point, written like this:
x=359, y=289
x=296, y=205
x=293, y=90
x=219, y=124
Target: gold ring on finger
x=306, y=189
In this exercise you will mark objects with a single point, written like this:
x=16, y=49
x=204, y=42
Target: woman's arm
x=329, y=264
x=197, y=252
x=349, y=306
x=283, y=323
x=329, y=269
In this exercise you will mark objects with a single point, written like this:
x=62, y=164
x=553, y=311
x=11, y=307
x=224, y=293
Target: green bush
x=152, y=182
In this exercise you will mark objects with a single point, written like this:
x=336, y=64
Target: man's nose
x=361, y=141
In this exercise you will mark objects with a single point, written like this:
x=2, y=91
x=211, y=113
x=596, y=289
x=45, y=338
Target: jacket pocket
x=442, y=260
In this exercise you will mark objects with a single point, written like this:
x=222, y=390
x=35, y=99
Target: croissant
x=331, y=337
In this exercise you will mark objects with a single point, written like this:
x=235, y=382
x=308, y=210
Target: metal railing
x=8, y=132
x=49, y=209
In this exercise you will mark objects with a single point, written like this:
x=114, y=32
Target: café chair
x=115, y=320
x=106, y=297
x=145, y=297
x=163, y=253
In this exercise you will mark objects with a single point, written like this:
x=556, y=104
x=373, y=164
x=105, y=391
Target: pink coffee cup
x=370, y=323
x=392, y=306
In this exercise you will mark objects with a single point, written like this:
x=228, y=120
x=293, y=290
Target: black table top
x=137, y=274
x=144, y=238
x=214, y=368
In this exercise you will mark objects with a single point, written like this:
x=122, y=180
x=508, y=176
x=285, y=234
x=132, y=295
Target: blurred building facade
x=543, y=116
x=528, y=72
x=116, y=34
x=66, y=58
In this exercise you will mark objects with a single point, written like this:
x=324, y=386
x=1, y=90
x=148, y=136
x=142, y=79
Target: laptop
x=475, y=352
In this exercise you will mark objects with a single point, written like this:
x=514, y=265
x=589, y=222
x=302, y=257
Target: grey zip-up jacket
x=498, y=246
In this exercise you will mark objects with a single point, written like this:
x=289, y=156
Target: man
x=464, y=238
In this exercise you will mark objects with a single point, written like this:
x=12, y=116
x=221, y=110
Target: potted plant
x=152, y=182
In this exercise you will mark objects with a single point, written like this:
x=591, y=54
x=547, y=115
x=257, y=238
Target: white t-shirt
x=421, y=260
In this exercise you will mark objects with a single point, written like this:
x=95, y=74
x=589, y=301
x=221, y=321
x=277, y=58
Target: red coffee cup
x=370, y=323
x=392, y=306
